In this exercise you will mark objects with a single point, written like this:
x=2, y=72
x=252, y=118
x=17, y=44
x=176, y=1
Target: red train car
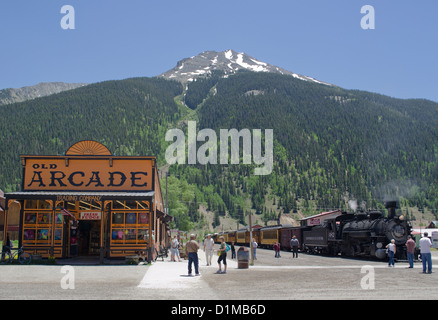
x=286, y=235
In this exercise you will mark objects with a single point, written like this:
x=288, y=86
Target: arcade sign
x=82, y=174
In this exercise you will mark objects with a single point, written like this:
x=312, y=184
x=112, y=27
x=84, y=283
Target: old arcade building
x=89, y=202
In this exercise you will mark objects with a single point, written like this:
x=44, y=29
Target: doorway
x=89, y=238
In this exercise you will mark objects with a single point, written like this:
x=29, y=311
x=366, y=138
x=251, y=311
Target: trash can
x=243, y=258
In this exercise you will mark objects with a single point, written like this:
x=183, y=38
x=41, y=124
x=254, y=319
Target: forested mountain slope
x=332, y=144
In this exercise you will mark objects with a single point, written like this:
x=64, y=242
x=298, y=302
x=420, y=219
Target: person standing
x=391, y=252
x=208, y=249
x=410, y=246
x=254, y=248
x=233, y=250
x=9, y=245
x=294, y=243
x=426, y=256
x=174, y=252
x=192, y=248
x=277, y=250
x=222, y=252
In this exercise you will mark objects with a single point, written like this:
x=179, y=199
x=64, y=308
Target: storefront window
x=31, y=204
x=29, y=234
x=117, y=234
x=118, y=218
x=37, y=224
x=143, y=235
x=129, y=227
x=44, y=205
x=30, y=217
x=130, y=205
x=58, y=218
x=43, y=234
x=131, y=234
x=58, y=234
x=143, y=218
x=90, y=205
x=44, y=218
x=131, y=218
x=37, y=204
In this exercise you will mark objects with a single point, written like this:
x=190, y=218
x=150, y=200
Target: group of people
x=426, y=255
x=191, y=251
x=192, y=248
x=222, y=252
x=294, y=244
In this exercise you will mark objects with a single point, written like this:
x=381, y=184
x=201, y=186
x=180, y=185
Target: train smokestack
x=391, y=206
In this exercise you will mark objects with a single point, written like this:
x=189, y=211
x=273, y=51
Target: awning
x=70, y=195
x=167, y=218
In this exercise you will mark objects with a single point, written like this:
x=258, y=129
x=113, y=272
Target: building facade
x=89, y=202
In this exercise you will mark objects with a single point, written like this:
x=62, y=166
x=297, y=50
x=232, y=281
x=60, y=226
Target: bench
x=162, y=253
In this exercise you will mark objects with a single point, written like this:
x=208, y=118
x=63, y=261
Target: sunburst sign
x=88, y=147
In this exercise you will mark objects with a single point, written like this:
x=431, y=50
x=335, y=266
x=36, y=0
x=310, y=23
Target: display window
x=130, y=205
x=131, y=218
x=143, y=235
x=117, y=235
x=143, y=218
x=131, y=234
x=44, y=218
x=43, y=234
x=58, y=235
x=30, y=218
x=37, y=222
x=118, y=218
x=129, y=222
x=129, y=227
x=37, y=204
x=89, y=205
x=59, y=218
x=29, y=234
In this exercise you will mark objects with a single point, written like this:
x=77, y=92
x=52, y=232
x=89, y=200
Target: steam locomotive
x=364, y=234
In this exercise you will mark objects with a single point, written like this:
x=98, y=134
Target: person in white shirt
x=208, y=249
x=254, y=248
x=391, y=252
x=426, y=256
x=174, y=250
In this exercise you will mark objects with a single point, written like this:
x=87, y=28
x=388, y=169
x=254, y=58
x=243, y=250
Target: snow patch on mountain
x=228, y=62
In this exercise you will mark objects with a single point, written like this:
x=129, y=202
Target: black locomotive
x=361, y=234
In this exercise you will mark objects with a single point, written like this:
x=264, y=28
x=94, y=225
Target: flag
x=65, y=212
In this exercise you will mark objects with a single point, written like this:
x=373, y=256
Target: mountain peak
x=228, y=61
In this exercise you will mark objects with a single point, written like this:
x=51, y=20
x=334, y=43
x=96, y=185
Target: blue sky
x=116, y=39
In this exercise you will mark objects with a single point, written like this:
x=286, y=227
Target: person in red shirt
x=410, y=246
x=277, y=250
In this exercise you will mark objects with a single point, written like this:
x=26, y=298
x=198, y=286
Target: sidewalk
x=174, y=275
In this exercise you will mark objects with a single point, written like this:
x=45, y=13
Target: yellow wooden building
x=87, y=202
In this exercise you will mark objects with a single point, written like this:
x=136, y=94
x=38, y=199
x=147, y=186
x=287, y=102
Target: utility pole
x=167, y=203
x=251, y=249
